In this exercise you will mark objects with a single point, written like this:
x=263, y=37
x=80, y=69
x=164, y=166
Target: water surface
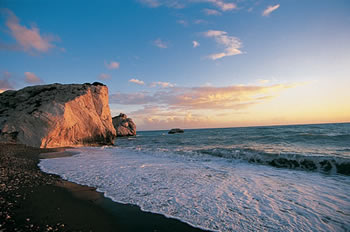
x=283, y=178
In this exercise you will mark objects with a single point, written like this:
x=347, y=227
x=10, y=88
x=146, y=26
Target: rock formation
x=175, y=131
x=124, y=125
x=56, y=115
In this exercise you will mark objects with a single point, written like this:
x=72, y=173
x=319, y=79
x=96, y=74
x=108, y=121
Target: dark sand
x=31, y=200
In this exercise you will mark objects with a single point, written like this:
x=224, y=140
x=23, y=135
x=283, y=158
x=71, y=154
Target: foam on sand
x=211, y=192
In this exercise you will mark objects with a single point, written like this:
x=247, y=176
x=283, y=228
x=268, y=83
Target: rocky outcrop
x=124, y=125
x=57, y=115
x=175, y=131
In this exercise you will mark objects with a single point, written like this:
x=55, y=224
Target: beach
x=31, y=200
x=277, y=178
x=175, y=115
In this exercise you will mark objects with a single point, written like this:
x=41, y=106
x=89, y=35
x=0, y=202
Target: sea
x=267, y=178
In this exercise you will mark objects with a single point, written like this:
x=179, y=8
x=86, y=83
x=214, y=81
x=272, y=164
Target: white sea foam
x=213, y=193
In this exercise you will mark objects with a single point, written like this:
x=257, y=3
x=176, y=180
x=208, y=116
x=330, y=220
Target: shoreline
x=32, y=200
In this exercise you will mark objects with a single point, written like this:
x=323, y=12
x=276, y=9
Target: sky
x=188, y=63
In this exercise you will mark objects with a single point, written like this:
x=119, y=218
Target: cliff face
x=56, y=115
x=124, y=125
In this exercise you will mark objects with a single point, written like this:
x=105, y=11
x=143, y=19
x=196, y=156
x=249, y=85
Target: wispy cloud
x=200, y=21
x=112, y=65
x=154, y=117
x=139, y=98
x=232, y=44
x=104, y=76
x=160, y=43
x=177, y=4
x=31, y=78
x=206, y=97
x=153, y=84
x=195, y=43
x=151, y=3
x=28, y=39
x=263, y=81
x=224, y=6
x=182, y=22
x=136, y=81
x=197, y=106
x=5, y=82
x=211, y=12
x=270, y=9
x=162, y=84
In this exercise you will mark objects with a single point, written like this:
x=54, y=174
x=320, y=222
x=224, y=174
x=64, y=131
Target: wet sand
x=31, y=200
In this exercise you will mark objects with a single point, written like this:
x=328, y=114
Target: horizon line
x=271, y=125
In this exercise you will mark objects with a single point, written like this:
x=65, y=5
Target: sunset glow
x=188, y=64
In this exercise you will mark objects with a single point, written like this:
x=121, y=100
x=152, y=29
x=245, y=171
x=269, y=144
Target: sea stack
x=176, y=131
x=124, y=126
x=57, y=115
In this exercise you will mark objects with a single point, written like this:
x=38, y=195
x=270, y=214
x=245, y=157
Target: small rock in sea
x=176, y=130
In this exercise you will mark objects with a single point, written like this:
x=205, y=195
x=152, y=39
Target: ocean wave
x=325, y=164
x=326, y=136
x=209, y=192
x=294, y=137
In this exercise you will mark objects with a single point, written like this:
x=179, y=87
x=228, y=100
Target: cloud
x=231, y=97
x=136, y=81
x=270, y=9
x=195, y=107
x=263, y=81
x=31, y=78
x=211, y=12
x=232, y=44
x=153, y=84
x=112, y=65
x=159, y=43
x=222, y=4
x=162, y=84
x=153, y=117
x=177, y=4
x=5, y=82
x=203, y=98
x=104, y=76
x=195, y=43
x=182, y=22
x=28, y=39
x=139, y=98
x=151, y=3
x=200, y=21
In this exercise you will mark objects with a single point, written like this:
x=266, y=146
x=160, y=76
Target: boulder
x=57, y=115
x=124, y=125
x=176, y=130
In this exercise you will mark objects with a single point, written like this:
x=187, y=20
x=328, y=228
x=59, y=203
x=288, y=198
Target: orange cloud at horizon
x=238, y=105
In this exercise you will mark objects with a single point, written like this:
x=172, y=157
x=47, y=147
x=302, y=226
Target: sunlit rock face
x=124, y=125
x=57, y=115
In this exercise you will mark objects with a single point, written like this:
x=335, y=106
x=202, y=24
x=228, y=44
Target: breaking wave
x=325, y=164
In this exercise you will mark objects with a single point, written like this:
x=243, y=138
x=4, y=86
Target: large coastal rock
x=56, y=115
x=124, y=125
